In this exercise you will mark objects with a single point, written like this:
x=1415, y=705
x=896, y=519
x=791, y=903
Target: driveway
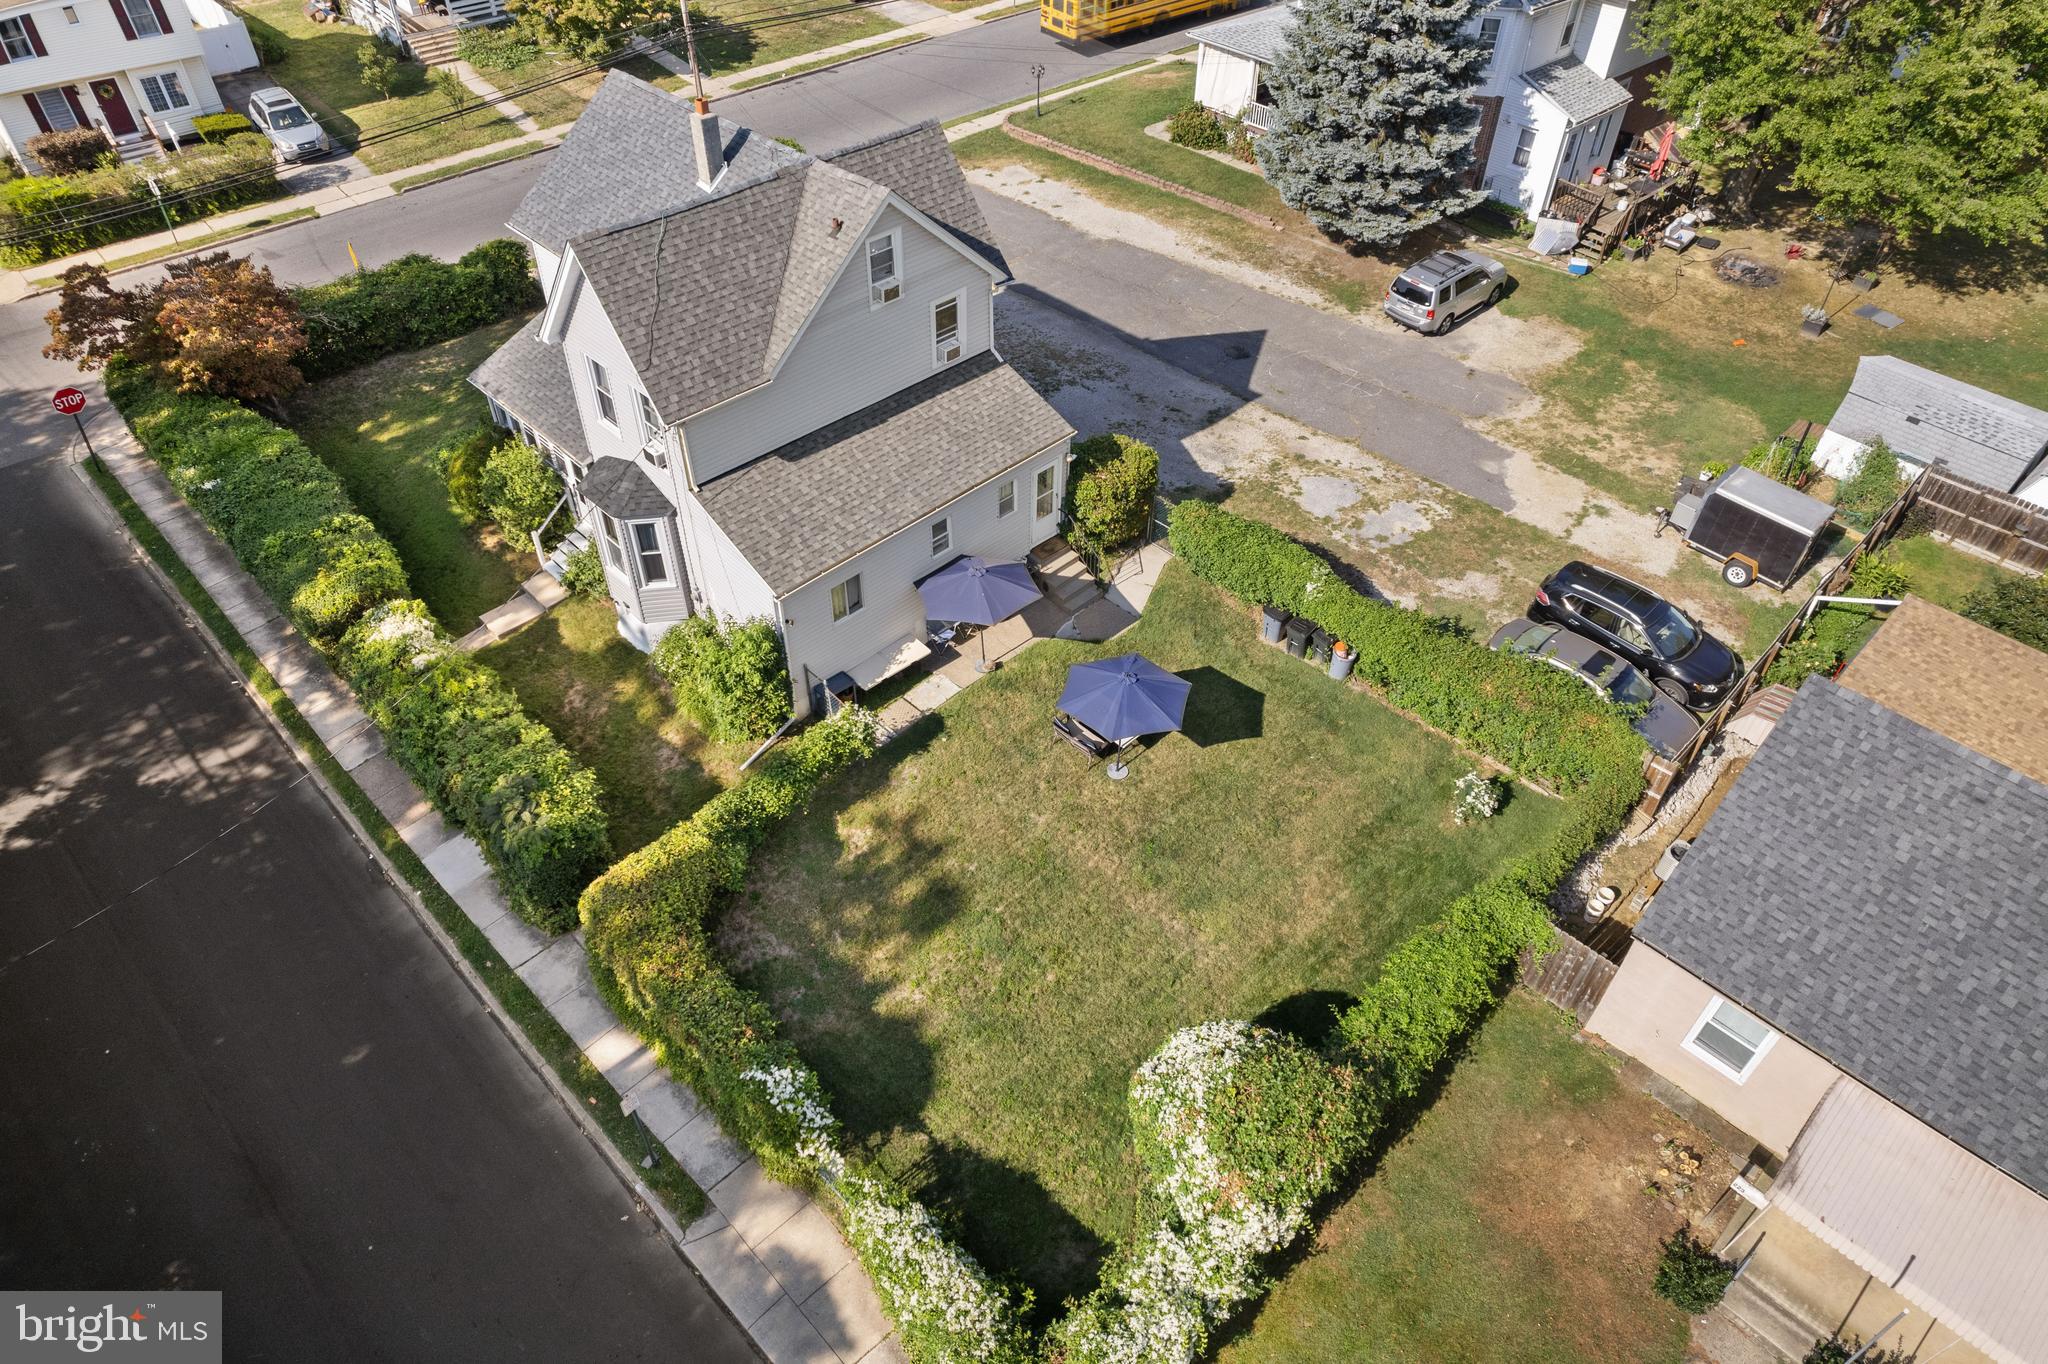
x=235, y=89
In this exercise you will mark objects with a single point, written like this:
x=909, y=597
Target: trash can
x=1667, y=864
x=1341, y=660
x=1298, y=631
x=1319, y=647
x=1272, y=620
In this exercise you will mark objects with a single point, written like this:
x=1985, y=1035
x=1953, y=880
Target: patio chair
x=1080, y=736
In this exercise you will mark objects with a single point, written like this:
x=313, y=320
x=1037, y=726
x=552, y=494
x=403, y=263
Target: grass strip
x=518, y=1003
x=490, y=158
x=1063, y=85
x=254, y=225
x=900, y=40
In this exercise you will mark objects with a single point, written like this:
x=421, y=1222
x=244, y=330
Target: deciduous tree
x=588, y=28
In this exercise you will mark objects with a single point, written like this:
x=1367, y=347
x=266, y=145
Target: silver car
x=279, y=116
x=1664, y=724
x=1439, y=289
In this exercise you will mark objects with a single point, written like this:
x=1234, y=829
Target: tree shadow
x=1221, y=709
x=1308, y=1016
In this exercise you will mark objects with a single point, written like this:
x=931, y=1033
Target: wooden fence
x=1998, y=524
x=1573, y=976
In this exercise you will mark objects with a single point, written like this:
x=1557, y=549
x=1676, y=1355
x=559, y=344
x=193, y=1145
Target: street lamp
x=1038, y=92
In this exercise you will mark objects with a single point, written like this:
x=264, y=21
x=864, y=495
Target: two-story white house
x=770, y=378
x=136, y=69
x=1564, y=89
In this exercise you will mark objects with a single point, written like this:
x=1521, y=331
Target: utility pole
x=690, y=46
x=1038, y=90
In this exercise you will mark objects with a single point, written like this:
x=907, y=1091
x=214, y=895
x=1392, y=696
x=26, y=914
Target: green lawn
x=601, y=698
x=380, y=427
x=1512, y=1223
x=729, y=49
x=1944, y=574
x=321, y=68
x=978, y=937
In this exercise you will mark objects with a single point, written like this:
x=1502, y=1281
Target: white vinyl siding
x=850, y=356
x=587, y=332
x=1729, y=1039
x=723, y=581
x=1571, y=25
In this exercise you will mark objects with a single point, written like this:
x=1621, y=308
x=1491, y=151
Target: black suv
x=1686, y=663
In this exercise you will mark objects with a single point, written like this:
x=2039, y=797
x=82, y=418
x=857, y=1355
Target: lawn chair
x=1081, y=737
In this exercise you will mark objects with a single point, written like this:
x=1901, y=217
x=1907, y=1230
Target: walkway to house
x=473, y=80
x=535, y=597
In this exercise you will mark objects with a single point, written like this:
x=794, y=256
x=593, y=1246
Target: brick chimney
x=708, y=139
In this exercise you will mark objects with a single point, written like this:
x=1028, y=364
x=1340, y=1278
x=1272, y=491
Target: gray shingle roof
x=530, y=379
x=1576, y=88
x=1880, y=893
x=1259, y=35
x=1927, y=416
x=818, y=501
x=629, y=159
x=918, y=163
x=622, y=487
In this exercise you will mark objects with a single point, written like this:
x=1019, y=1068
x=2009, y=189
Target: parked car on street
x=279, y=116
x=1664, y=724
x=1670, y=648
x=1440, y=288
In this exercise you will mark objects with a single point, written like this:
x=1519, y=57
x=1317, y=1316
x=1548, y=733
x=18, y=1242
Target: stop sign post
x=71, y=403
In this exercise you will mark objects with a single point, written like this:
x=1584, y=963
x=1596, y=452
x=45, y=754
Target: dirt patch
x=1519, y=347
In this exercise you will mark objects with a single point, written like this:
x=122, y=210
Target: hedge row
x=414, y=301
x=43, y=217
x=1531, y=718
x=449, y=721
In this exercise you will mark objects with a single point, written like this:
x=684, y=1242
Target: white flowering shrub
x=1476, y=797
x=946, y=1308
x=795, y=1092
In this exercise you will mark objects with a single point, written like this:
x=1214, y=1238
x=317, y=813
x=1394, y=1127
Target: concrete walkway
x=473, y=80
x=535, y=598
x=771, y=1255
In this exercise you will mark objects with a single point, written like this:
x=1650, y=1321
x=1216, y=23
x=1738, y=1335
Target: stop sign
x=69, y=401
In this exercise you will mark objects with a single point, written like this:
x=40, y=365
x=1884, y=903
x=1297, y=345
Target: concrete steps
x=574, y=543
x=1066, y=580
x=140, y=147
x=1770, y=1318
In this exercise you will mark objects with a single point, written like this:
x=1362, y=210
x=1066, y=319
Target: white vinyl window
x=56, y=110
x=1571, y=25
x=602, y=384
x=142, y=18
x=614, y=547
x=70, y=14
x=650, y=554
x=885, y=277
x=946, y=330
x=14, y=38
x=942, y=536
x=1006, y=498
x=1525, y=145
x=650, y=424
x=846, y=598
x=1042, y=505
x=1730, y=1040
x=1489, y=41
x=164, y=92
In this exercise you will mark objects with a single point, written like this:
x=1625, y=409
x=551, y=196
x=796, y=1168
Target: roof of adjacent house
x=1260, y=35
x=1961, y=679
x=622, y=487
x=1879, y=892
x=530, y=379
x=1927, y=416
x=1583, y=93
x=811, y=505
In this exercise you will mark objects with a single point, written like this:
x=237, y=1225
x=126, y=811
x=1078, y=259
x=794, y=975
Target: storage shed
x=1927, y=416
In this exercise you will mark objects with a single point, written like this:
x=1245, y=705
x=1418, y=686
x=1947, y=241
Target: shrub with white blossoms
x=796, y=1092
x=946, y=1308
x=1477, y=797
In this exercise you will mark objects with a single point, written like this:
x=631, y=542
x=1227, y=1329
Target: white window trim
x=614, y=541
x=942, y=530
x=1492, y=48
x=939, y=340
x=838, y=589
x=70, y=14
x=142, y=79
x=1763, y=1048
x=601, y=392
x=668, y=568
x=643, y=410
x=157, y=29
x=894, y=283
x=1523, y=154
x=1006, y=491
x=1052, y=491
x=21, y=33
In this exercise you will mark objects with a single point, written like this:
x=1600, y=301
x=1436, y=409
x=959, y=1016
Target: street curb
x=848, y=60
x=536, y=150
x=645, y=1199
x=262, y=231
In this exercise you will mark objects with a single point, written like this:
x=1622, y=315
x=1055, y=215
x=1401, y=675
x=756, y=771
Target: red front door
x=119, y=121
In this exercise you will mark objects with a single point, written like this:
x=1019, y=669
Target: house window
x=648, y=551
x=602, y=383
x=70, y=14
x=14, y=37
x=1525, y=145
x=1489, y=41
x=164, y=92
x=650, y=425
x=1730, y=1040
x=614, y=547
x=1042, y=490
x=1571, y=24
x=885, y=284
x=942, y=536
x=142, y=18
x=56, y=110
x=1006, y=498
x=846, y=598
x=946, y=331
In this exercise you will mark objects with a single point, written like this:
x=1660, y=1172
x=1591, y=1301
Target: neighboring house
x=770, y=379
x=429, y=29
x=1925, y=416
x=136, y=69
x=1851, y=966
x=1564, y=91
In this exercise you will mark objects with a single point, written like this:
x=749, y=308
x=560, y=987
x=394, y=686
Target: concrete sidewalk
x=770, y=1254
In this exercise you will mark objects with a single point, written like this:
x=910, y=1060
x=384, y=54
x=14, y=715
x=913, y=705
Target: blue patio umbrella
x=1125, y=697
x=978, y=592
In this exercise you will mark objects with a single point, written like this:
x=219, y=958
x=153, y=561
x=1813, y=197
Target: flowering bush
x=796, y=1092
x=1477, y=797
x=946, y=1308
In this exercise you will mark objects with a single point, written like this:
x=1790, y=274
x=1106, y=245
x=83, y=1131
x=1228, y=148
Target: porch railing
x=539, y=546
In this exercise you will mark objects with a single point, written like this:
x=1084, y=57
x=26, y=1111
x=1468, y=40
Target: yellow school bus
x=1078, y=21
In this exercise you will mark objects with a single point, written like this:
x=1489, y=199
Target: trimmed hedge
x=40, y=216
x=75, y=151
x=461, y=733
x=1110, y=487
x=414, y=301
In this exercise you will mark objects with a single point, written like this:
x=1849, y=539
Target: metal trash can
x=1298, y=631
x=1319, y=647
x=1342, y=660
x=1272, y=620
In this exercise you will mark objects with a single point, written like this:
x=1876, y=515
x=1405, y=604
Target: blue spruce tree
x=1374, y=125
